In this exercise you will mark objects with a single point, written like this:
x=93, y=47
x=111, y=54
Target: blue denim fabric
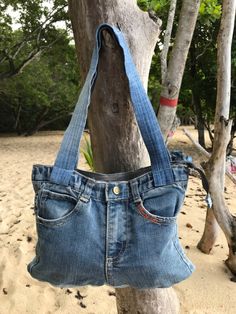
x=89, y=235
x=116, y=229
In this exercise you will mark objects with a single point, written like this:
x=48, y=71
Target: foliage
x=38, y=70
x=43, y=93
x=38, y=32
x=157, y=6
x=209, y=12
x=88, y=154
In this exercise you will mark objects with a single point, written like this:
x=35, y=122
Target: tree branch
x=17, y=48
x=32, y=56
x=206, y=154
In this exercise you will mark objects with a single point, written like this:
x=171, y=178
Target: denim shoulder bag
x=117, y=229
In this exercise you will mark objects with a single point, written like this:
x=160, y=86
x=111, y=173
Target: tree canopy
x=39, y=77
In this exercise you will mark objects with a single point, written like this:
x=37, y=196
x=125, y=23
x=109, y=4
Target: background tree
x=198, y=92
x=215, y=167
x=38, y=32
x=44, y=93
x=202, y=66
x=176, y=64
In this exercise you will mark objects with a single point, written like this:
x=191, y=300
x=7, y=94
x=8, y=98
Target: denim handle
x=67, y=157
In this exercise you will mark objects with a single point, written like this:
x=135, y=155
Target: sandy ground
x=209, y=290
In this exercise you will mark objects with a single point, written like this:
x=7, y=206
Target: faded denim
x=116, y=229
x=87, y=235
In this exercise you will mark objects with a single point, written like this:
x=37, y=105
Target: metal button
x=116, y=190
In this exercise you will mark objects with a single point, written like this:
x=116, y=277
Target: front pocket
x=54, y=207
x=163, y=202
x=151, y=217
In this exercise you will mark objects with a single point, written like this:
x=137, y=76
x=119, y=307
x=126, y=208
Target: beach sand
x=209, y=290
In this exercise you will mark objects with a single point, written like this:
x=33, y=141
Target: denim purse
x=117, y=229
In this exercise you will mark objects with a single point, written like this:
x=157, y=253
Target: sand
x=209, y=290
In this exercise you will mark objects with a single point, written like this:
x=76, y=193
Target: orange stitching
x=142, y=211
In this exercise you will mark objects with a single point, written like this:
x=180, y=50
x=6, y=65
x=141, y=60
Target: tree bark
x=211, y=229
x=176, y=65
x=206, y=154
x=17, y=113
x=215, y=167
x=167, y=38
x=147, y=301
x=116, y=141
x=200, y=120
x=210, y=233
x=112, y=124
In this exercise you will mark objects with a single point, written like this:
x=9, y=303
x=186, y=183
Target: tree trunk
x=232, y=137
x=116, y=141
x=196, y=100
x=167, y=38
x=41, y=124
x=211, y=229
x=152, y=301
x=17, y=113
x=176, y=65
x=210, y=233
x=38, y=120
x=215, y=167
x=210, y=132
x=200, y=120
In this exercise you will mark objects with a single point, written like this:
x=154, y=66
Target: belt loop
x=135, y=191
x=106, y=192
x=85, y=195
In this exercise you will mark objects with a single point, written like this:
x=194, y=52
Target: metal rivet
x=116, y=190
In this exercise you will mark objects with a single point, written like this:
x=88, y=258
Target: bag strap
x=67, y=157
x=178, y=157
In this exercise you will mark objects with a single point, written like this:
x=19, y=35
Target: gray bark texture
x=176, y=65
x=215, y=167
x=210, y=234
x=211, y=229
x=167, y=38
x=152, y=301
x=116, y=141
